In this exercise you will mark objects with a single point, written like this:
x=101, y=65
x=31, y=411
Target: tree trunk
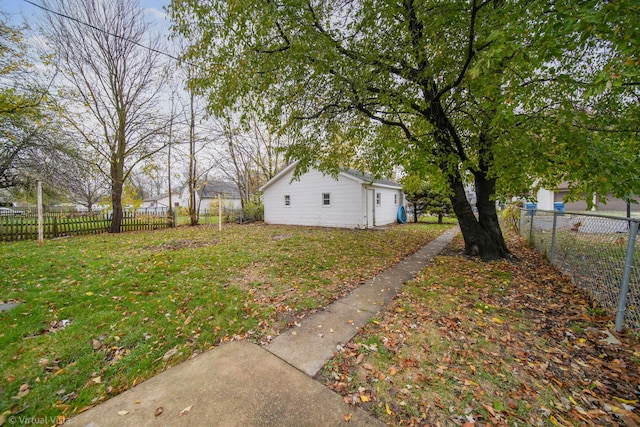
x=487, y=213
x=117, y=182
x=193, y=209
x=482, y=236
x=170, y=210
x=116, y=203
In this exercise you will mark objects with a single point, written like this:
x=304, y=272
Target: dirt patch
x=174, y=245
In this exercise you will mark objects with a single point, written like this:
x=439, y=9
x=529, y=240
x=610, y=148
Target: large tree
x=576, y=116
x=376, y=83
x=29, y=132
x=112, y=64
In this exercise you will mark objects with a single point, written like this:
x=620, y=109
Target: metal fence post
x=552, y=252
x=533, y=212
x=624, y=286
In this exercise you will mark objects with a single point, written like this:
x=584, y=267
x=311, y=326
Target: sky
x=19, y=11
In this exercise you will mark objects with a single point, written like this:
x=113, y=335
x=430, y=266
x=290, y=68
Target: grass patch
x=99, y=314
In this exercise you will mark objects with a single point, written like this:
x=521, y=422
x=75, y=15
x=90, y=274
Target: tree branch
x=471, y=49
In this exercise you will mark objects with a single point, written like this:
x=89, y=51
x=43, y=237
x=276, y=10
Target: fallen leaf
x=628, y=402
x=169, y=354
x=122, y=413
x=3, y=416
x=186, y=410
x=347, y=418
x=23, y=391
x=159, y=410
x=470, y=383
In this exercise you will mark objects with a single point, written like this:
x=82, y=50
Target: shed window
x=326, y=199
x=395, y=199
x=287, y=200
x=378, y=199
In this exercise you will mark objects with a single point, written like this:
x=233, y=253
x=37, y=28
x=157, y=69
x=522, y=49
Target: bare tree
x=251, y=154
x=113, y=65
x=85, y=183
x=193, y=210
x=198, y=137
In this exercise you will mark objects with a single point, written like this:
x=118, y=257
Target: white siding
x=306, y=207
x=387, y=212
x=545, y=199
x=352, y=200
x=210, y=204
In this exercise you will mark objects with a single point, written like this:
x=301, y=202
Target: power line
x=175, y=58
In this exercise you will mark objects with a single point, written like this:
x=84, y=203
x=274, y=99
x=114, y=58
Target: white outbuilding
x=351, y=200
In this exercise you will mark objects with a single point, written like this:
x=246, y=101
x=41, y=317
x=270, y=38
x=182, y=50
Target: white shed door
x=371, y=207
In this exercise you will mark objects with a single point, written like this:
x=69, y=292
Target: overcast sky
x=19, y=11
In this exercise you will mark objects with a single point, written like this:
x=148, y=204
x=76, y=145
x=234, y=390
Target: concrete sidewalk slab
x=309, y=346
x=235, y=384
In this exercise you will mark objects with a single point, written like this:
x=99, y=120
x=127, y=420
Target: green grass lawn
x=99, y=314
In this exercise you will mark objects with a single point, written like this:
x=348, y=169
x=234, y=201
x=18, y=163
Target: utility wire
x=175, y=58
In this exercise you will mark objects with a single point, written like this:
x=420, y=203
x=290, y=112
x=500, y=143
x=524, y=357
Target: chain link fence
x=600, y=253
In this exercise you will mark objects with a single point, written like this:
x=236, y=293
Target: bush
x=511, y=215
x=254, y=209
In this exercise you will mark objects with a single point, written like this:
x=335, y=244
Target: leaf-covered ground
x=95, y=315
x=491, y=344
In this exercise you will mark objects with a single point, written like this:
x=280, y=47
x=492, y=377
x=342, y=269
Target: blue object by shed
x=530, y=207
x=559, y=206
x=402, y=215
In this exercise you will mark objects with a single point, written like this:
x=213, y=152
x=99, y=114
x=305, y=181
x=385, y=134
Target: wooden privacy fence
x=25, y=227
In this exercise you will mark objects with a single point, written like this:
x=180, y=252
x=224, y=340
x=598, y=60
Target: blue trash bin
x=559, y=207
x=530, y=207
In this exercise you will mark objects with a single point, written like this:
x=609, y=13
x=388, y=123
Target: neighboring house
x=353, y=200
x=547, y=198
x=160, y=203
x=227, y=191
x=206, y=198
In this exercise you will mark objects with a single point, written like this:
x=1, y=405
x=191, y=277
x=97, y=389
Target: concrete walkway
x=242, y=384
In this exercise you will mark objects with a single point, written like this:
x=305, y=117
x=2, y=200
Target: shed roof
x=214, y=187
x=352, y=174
x=161, y=196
